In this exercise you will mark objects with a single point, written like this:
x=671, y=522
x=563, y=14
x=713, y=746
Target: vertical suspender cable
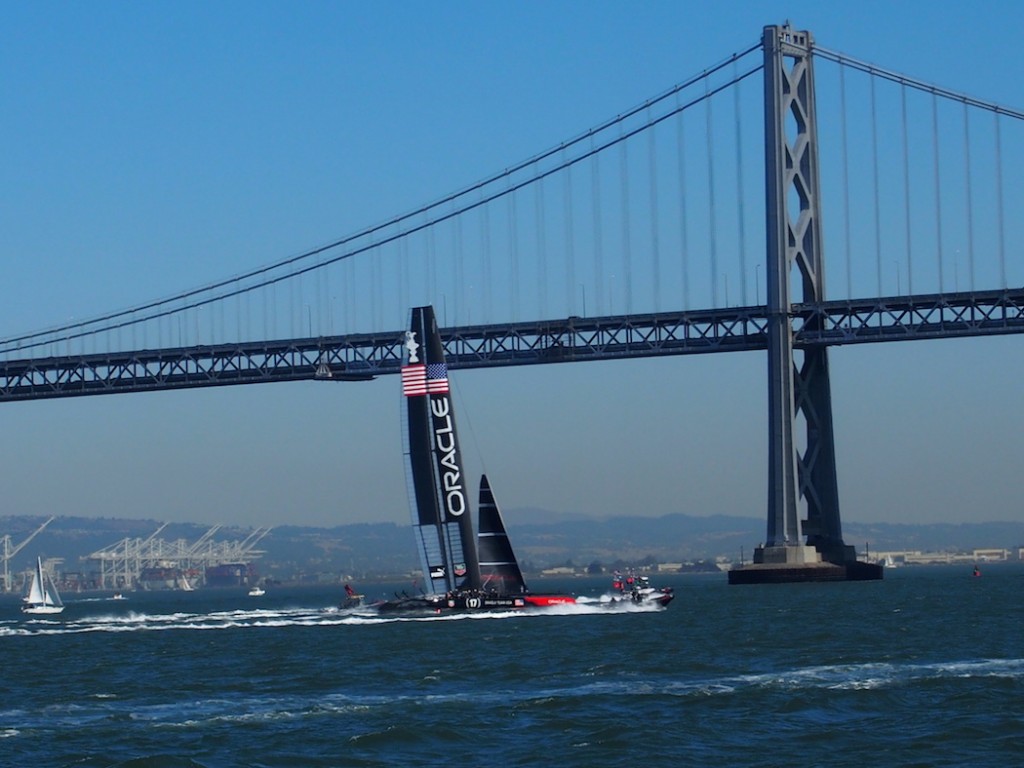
x=655, y=250
x=846, y=179
x=739, y=189
x=351, y=322
x=712, y=241
x=326, y=321
x=297, y=294
x=906, y=191
x=460, y=271
x=999, y=202
x=377, y=292
x=316, y=298
x=403, y=277
x=874, y=156
x=431, y=265
x=570, y=251
x=328, y=305
x=684, y=244
x=968, y=197
x=513, y=235
x=595, y=196
x=627, y=254
x=542, y=259
x=291, y=309
x=938, y=188
x=485, y=234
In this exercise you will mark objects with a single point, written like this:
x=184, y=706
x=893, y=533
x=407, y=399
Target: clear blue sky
x=150, y=148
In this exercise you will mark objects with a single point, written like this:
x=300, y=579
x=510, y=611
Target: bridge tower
x=801, y=450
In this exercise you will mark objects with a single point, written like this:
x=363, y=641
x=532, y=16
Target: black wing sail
x=499, y=569
x=437, y=489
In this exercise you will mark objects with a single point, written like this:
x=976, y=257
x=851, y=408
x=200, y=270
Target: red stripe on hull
x=545, y=600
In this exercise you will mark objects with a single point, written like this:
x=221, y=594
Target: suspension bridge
x=640, y=237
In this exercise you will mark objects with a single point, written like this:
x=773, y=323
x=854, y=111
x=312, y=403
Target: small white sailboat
x=42, y=595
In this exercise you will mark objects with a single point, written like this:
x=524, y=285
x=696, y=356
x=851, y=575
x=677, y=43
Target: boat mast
x=437, y=482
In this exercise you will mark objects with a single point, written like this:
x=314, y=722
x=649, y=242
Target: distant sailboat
x=42, y=595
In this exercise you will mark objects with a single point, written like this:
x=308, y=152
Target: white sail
x=42, y=595
x=35, y=592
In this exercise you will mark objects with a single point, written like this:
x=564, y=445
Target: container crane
x=9, y=552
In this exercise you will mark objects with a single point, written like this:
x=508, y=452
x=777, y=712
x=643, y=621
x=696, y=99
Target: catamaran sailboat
x=42, y=594
x=461, y=572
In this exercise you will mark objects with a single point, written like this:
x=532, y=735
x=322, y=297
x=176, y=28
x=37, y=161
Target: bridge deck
x=574, y=339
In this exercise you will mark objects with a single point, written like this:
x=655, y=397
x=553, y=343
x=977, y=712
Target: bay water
x=923, y=668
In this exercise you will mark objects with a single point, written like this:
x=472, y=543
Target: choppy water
x=925, y=668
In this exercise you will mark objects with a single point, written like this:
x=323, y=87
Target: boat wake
x=142, y=621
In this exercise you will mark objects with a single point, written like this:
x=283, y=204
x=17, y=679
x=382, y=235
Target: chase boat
x=638, y=589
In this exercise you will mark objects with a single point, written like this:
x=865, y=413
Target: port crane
x=10, y=552
x=129, y=558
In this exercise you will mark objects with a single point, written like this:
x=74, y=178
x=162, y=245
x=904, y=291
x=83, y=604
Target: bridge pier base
x=796, y=563
x=795, y=554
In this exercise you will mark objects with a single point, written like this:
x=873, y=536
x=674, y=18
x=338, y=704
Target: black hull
x=470, y=602
x=662, y=599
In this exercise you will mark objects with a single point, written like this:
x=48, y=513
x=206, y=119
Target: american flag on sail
x=423, y=379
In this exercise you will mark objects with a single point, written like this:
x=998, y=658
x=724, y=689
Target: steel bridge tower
x=801, y=449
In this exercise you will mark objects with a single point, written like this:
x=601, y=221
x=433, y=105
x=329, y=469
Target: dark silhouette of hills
x=541, y=540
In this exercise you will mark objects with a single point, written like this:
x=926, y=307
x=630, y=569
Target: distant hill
x=679, y=537
x=541, y=540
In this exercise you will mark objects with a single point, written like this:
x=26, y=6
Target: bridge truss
x=574, y=339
